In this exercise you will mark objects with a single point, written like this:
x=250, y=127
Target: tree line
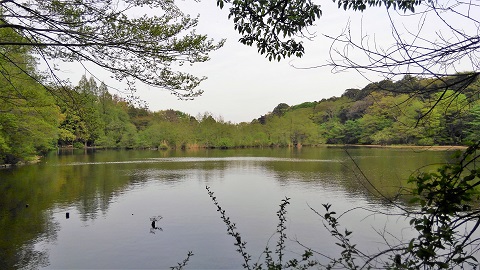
x=35, y=120
x=382, y=113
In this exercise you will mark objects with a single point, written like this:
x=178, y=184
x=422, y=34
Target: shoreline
x=37, y=159
x=421, y=147
x=397, y=146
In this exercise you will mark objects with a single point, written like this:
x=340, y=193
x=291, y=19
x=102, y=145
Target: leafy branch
x=184, y=263
x=304, y=262
x=232, y=230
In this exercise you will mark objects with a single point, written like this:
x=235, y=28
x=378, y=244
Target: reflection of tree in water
x=29, y=258
x=32, y=258
x=173, y=173
x=43, y=187
x=385, y=169
x=22, y=229
x=142, y=177
x=89, y=188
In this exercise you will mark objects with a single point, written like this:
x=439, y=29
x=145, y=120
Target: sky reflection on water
x=112, y=196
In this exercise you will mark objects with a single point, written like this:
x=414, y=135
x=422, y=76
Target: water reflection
x=110, y=196
x=154, y=225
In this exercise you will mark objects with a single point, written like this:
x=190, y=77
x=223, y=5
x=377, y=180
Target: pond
x=94, y=209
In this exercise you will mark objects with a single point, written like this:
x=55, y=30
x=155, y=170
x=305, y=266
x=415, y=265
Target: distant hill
x=414, y=111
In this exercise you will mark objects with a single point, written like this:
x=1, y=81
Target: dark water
x=112, y=196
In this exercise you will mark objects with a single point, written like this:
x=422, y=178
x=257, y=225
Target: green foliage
x=139, y=48
x=403, y=5
x=473, y=126
x=449, y=202
x=451, y=113
x=381, y=117
x=281, y=109
x=351, y=132
x=28, y=114
x=333, y=131
x=387, y=116
x=349, y=250
x=99, y=119
x=304, y=105
x=351, y=93
x=272, y=24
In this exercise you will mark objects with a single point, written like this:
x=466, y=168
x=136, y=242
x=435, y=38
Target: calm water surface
x=111, y=197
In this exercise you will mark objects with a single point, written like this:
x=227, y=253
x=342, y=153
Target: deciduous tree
x=26, y=110
x=117, y=36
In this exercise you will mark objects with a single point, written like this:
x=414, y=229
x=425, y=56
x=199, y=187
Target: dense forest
x=36, y=118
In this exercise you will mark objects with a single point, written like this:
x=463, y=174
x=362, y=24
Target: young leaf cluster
x=132, y=48
x=449, y=204
x=349, y=250
x=361, y=5
x=272, y=24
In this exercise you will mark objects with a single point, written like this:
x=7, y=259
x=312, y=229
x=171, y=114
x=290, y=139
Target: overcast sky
x=243, y=85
